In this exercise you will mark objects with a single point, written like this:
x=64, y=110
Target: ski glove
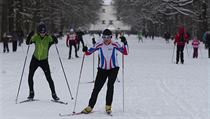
x=28, y=39
x=123, y=39
x=84, y=49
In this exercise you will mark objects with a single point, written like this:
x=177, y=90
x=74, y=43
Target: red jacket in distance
x=181, y=37
x=71, y=39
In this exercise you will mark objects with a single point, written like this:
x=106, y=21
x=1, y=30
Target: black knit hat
x=42, y=28
x=107, y=32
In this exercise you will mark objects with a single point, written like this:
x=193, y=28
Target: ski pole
x=80, y=74
x=22, y=74
x=93, y=66
x=64, y=72
x=123, y=83
x=93, y=42
x=173, y=54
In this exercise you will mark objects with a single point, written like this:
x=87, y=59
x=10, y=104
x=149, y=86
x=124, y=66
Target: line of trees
x=57, y=14
x=159, y=16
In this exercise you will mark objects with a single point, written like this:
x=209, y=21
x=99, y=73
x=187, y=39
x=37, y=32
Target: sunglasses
x=107, y=36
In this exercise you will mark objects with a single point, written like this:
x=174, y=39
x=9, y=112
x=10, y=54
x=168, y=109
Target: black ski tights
x=45, y=67
x=99, y=82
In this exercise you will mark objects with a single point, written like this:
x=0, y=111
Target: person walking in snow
x=140, y=37
x=80, y=34
x=107, y=68
x=167, y=36
x=14, y=41
x=42, y=42
x=206, y=38
x=5, y=43
x=71, y=40
x=195, y=44
x=181, y=39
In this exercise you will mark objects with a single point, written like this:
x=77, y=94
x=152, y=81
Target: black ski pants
x=14, y=46
x=208, y=51
x=195, y=53
x=70, y=49
x=180, y=53
x=45, y=67
x=101, y=77
x=6, y=47
x=78, y=44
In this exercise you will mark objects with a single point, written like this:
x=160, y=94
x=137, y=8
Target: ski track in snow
x=183, y=105
x=155, y=88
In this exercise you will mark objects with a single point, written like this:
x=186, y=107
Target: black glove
x=93, y=41
x=84, y=49
x=123, y=39
x=28, y=39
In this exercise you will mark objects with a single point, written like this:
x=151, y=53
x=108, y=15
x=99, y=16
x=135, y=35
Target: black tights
x=99, y=82
x=45, y=67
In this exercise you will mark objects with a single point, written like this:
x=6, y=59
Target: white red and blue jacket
x=108, y=54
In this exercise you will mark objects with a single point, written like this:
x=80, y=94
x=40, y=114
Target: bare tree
x=160, y=15
x=58, y=14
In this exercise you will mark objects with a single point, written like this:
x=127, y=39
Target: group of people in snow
x=16, y=38
x=182, y=38
x=108, y=66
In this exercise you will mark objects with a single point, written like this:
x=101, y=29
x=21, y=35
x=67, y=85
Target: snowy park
x=155, y=87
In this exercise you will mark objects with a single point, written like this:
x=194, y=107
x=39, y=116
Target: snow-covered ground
x=155, y=88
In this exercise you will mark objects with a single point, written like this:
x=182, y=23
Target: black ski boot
x=76, y=56
x=31, y=95
x=55, y=97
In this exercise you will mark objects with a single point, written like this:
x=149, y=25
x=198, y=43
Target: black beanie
x=107, y=32
x=42, y=28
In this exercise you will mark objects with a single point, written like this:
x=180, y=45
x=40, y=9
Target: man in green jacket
x=42, y=42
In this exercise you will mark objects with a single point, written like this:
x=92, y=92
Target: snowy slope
x=155, y=88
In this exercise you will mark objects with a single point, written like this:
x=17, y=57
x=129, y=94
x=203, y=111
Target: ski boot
x=108, y=109
x=55, y=97
x=31, y=95
x=87, y=110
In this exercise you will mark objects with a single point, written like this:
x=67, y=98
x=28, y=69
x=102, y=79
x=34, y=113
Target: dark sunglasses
x=107, y=36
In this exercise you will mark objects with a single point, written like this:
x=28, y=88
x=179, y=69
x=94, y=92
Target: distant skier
x=93, y=40
x=140, y=37
x=20, y=37
x=5, y=43
x=195, y=44
x=107, y=68
x=206, y=38
x=14, y=41
x=42, y=42
x=116, y=35
x=167, y=36
x=180, y=39
x=71, y=40
x=80, y=34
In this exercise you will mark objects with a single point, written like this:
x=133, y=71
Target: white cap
x=71, y=30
